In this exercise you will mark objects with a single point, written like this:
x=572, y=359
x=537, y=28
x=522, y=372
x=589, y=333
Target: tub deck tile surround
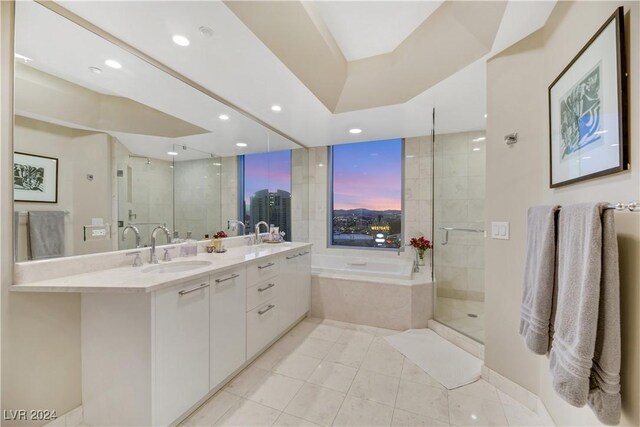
x=353, y=394
x=386, y=303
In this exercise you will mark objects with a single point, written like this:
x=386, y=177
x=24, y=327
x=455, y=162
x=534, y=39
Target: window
x=366, y=194
x=266, y=190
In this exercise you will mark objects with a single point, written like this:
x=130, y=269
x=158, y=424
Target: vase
x=420, y=254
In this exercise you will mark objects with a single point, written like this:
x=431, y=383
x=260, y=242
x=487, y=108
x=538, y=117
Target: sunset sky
x=267, y=170
x=368, y=175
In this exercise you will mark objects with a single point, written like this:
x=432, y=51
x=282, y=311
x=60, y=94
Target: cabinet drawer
x=261, y=270
x=262, y=292
x=262, y=326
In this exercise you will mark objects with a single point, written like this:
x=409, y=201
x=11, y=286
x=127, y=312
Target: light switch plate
x=500, y=230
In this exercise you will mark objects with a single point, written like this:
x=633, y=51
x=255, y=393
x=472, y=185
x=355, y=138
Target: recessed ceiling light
x=223, y=117
x=355, y=131
x=181, y=40
x=485, y=116
x=320, y=164
x=22, y=58
x=113, y=64
x=276, y=108
x=205, y=31
x=241, y=144
x=476, y=149
x=172, y=153
x=482, y=138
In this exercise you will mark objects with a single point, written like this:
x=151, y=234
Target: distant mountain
x=365, y=212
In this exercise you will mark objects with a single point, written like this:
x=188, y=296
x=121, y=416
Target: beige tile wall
x=459, y=173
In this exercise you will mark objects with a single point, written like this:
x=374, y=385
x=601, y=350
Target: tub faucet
x=231, y=222
x=258, y=230
x=135, y=231
x=153, y=258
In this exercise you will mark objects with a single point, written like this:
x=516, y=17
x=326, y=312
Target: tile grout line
x=354, y=377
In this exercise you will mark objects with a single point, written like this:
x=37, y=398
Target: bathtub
x=383, y=292
x=357, y=266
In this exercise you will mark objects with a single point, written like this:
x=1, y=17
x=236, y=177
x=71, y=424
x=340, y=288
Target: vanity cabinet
x=227, y=324
x=181, y=345
x=148, y=358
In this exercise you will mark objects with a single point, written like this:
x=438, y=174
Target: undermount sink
x=176, y=267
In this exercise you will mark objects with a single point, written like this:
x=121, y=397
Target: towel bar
x=633, y=206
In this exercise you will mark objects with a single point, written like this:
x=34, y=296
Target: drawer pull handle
x=293, y=256
x=303, y=253
x=264, y=310
x=269, y=286
x=233, y=276
x=188, y=291
x=271, y=264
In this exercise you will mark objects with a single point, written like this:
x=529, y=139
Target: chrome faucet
x=257, y=236
x=231, y=222
x=135, y=231
x=154, y=259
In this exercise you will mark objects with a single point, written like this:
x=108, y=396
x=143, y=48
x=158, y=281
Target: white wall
x=517, y=178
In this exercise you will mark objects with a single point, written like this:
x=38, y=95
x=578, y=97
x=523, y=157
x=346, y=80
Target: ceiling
x=181, y=114
x=369, y=28
x=237, y=65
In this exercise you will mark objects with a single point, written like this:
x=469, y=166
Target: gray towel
x=604, y=393
x=577, y=322
x=539, y=276
x=46, y=234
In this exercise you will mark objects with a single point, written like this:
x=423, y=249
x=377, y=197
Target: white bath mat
x=446, y=363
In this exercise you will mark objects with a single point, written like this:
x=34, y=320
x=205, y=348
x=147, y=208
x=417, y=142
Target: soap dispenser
x=190, y=248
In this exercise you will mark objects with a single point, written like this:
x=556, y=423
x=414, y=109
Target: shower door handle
x=467, y=230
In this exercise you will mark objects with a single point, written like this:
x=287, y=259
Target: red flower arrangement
x=420, y=243
x=220, y=235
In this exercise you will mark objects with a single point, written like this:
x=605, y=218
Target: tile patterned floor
x=454, y=313
x=328, y=373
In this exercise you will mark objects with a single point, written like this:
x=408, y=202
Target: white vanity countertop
x=133, y=279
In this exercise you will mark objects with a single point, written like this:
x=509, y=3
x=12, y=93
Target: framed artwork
x=588, y=109
x=35, y=178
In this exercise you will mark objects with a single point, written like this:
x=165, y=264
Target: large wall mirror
x=105, y=142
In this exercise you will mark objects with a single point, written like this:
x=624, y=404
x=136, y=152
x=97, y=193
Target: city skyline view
x=267, y=190
x=267, y=171
x=367, y=194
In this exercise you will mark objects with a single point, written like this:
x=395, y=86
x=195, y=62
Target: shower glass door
x=458, y=227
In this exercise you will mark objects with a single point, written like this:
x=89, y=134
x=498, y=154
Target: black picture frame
x=574, y=131
x=42, y=172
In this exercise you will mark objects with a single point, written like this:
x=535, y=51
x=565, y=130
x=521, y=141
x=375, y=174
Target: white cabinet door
x=228, y=324
x=289, y=293
x=303, y=272
x=181, y=350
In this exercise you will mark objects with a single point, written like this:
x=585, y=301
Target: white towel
x=539, y=277
x=587, y=281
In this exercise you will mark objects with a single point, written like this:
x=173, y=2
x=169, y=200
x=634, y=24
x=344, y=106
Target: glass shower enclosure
x=458, y=230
